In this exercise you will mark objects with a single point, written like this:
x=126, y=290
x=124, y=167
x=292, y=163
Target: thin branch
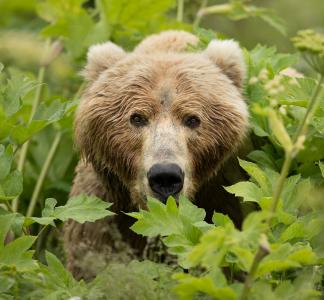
x=199, y=15
x=25, y=146
x=180, y=10
x=42, y=176
x=47, y=163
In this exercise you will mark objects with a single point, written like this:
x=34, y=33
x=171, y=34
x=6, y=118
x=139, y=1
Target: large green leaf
x=189, y=286
x=167, y=219
x=81, y=208
x=249, y=191
x=258, y=175
x=132, y=13
x=18, y=86
x=17, y=254
x=181, y=227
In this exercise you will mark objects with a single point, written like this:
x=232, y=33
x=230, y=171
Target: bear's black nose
x=165, y=180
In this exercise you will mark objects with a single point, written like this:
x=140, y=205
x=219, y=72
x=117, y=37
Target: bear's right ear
x=228, y=56
x=101, y=57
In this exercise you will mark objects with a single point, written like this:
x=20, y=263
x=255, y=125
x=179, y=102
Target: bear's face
x=161, y=122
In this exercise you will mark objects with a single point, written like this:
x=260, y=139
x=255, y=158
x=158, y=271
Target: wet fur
x=165, y=85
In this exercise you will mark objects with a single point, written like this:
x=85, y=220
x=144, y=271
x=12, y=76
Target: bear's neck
x=116, y=191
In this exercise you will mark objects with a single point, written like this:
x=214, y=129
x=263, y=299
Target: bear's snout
x=165, y=180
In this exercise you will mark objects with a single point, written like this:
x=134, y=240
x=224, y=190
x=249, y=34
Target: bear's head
x=161, y=119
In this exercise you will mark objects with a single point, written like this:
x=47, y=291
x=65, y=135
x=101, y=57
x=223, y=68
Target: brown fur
x=165, y=86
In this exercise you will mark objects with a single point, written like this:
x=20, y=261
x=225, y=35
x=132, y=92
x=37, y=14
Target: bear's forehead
x=168, y=71
x=166, y=79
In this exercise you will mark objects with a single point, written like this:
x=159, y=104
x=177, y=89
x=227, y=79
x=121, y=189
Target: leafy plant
x=277, y=254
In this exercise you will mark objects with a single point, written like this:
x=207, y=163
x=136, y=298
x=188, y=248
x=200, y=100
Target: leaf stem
x=310, y=111
x=43, y=173
x=47, y=164
x=180, y=9
x=199, y=14
x=302, y=129
x=261, y=253
x=24, y=148
x=219, y=9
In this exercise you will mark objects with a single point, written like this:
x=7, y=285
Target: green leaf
x=262, y=158
x=18, y=86
x=11, y=186
x=81, y=208
x=289, y=192
x=247, y=190
x=133, y=14
x=5, y=161
x=51, y=10
x=51, y=112
x=49, y=207
x=6, y=283
x=221, y=219
x=191, y=211
x=180, y=227
x=258, y=175
x=286, y=256
x=16, y=254
x=168, y=219
x=58, y=274
x=188, y=286
x=244, y=256
x=5, y=223
x=321, y=166
x=304, y=256
x=42, y=221
x=295, y=230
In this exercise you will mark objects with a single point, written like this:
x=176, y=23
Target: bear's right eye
x=138, y=120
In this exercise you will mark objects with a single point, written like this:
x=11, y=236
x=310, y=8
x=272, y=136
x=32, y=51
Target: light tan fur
x=165, y=84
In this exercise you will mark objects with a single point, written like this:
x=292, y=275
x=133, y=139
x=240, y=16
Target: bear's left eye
x=191, y=122
x=138, y=120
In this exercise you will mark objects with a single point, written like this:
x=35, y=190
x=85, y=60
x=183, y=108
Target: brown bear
x=158, y=121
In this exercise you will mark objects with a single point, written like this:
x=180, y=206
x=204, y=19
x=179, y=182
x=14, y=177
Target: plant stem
x=42, y=176
x=199, y=15
x=40, y=241
x=180, y=10
x=47, y=164
x=219, y=9
x=279, y=185
x=302, y=129
x=310, y=111
x=24, y=149
x=261, y=253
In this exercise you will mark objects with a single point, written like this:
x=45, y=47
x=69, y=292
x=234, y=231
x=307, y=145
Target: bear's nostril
x=165, y=180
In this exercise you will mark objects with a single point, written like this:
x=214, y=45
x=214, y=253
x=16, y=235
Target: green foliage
x=10, y=181
x=214, y=261
x=311, y=44
x=240, y=9
x=180, y=227
x=17, y=265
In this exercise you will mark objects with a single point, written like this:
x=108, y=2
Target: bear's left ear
x=228, y=56
x=101, y=57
